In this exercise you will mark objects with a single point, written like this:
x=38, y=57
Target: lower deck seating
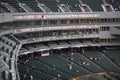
x=97, y=57
x=62, y=64
x=114, y=55
x=77, y=58
x=49, y=67
x=46, y=68
x=35, y=72
x=111, y=77
x=54, y=66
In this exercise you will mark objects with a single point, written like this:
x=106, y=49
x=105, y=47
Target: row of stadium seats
x=95, y=5
x=47, y=68
x=63, y=64
x=32, y=4
x=111, y=77
x=106, y=77
x=114, y=55
x=37, y=74
x=52, y=4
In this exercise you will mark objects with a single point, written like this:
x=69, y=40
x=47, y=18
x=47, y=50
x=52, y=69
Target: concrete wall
x=105, y=34
x=115, y=31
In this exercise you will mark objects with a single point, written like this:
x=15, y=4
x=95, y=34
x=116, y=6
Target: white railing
x=44, y=8
x=9, y=7
x=85, y=8
x=25, y=7
x=64, y=8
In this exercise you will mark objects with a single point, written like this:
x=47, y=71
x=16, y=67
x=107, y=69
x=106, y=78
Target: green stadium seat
x=114, y=55
x=95, y=5
x=52, y=4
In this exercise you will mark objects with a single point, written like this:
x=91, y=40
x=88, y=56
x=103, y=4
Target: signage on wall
x=56, y=16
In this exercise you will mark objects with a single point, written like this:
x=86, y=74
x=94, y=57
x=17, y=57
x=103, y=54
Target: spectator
x=96, y=59
x=91, y=58
x=58, y=76
x=70, y=66
x=87, y=64
x=31, y=77
x=83, y=51
x=27, y=70
x=24, y=76
x=72, y=53
x=83, y=63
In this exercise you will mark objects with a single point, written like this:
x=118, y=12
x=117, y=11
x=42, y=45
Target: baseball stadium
x=59, y=39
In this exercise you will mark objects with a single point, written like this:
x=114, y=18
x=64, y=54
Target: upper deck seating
x=14, y=3
x=72, y=5
x=32, y=4
x=52, y=4
x=115, y=4
x=4, y=8
x=95, y=5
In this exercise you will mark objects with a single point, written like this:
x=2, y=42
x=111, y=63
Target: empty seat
x=52, y=4
x=95, y=5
